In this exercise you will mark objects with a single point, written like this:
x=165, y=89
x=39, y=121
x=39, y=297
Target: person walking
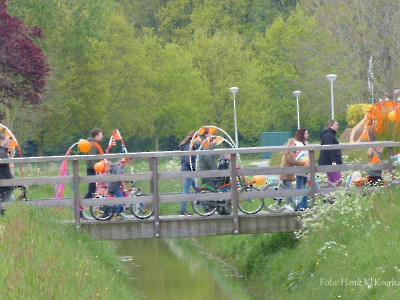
x=301, y=138
x=187, y=165
x=289, y=160
x=6, y=192
x=331, y=157
x=95, y=149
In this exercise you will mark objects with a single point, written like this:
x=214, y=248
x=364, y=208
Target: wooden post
x=234, y=194
x=77, y=200
x=390, y=160
x=154, y=191
x=313, y=187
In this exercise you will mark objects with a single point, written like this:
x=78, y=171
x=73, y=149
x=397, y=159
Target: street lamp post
x=331, y=78
x=233, y=90
x=297, y=94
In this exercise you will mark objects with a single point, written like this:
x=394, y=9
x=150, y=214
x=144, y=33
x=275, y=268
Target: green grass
x=347, y=250
x=45, y=259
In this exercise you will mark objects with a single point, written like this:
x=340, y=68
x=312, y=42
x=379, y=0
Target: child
x=375, y=157
x=115, y=186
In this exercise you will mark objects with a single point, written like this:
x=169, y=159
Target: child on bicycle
x=115, y=187
x=375, y=157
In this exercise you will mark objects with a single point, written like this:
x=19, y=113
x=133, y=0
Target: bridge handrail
x=153, y=175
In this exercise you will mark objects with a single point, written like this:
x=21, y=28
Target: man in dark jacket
x=6, y=192
x=331, y=157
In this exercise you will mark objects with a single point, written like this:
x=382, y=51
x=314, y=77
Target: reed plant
x=43, y=258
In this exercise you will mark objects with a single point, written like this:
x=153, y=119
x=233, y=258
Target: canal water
x=175, y=269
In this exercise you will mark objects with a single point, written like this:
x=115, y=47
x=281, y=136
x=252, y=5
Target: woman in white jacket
x=301, y=179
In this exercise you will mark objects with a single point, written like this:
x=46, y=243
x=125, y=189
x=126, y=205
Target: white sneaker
x=288, y=207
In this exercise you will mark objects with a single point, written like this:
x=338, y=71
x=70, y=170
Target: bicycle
x=106, y=212
x=276, y=204
x=221, y=185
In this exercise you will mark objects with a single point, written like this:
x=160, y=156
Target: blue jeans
x=120, y=207
x=288, y=185
x=187, y=183
x=301, y=184
x=7, y=196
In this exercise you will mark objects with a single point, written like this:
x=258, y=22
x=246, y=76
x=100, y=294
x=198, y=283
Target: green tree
x=224, y=61
x=368, y=32
x=296, y=55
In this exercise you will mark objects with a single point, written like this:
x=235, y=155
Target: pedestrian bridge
x=181, y=226
x=159, y=226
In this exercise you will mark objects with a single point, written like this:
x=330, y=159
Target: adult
x=95, y=149
x=115, y=187
x=289, y=160
x=207, y=162
x=301, y=138
x=6, y=192
x=331, y=157
x=187, y=165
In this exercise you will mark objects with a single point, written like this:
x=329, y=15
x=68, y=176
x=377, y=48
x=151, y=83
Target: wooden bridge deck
x=181, y=226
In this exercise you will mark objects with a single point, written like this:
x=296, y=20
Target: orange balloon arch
x=376, y=119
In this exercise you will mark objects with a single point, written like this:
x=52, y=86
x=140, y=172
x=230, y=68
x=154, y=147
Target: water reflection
x=174, y=269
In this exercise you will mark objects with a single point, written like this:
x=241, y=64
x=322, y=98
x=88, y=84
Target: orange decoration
x=392, y=116
x=259, y=179
x=375, y=119
x=304, y=159
x=100, y=166
x=84, y=146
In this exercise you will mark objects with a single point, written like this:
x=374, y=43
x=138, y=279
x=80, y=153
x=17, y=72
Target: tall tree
x=296, y=55
x=23, y=67
x=224, y=61
x=368, y=31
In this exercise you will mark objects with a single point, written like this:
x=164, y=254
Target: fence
x=154, y=176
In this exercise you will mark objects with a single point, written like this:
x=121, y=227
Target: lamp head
x=331, y=77
x=233, y=89
x=297, y=93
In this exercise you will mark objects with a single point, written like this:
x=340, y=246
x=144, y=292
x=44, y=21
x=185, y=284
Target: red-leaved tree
x=23, y=66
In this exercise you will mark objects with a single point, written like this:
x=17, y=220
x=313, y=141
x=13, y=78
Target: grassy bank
x=346, y=250
x=44, y=259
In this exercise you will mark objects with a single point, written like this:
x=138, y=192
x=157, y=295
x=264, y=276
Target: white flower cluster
x=348, y=209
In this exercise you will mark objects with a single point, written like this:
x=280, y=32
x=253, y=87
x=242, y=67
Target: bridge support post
x=77, y=201
x=313, y=187
x=234, y=191
x=154, y=191
x=390, y=160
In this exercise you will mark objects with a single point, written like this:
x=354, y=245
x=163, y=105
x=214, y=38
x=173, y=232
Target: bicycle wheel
x=142, y=210
x=204, y=208
x=102, y=212
x=274, y=204
x=127, y=212
x=250, y=206
x=86, y=214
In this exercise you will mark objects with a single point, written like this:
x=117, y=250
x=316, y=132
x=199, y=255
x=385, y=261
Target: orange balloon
x=392, y=116
x=304, y=159
x=259, y=179
x=100, y=166
x=84, y=146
